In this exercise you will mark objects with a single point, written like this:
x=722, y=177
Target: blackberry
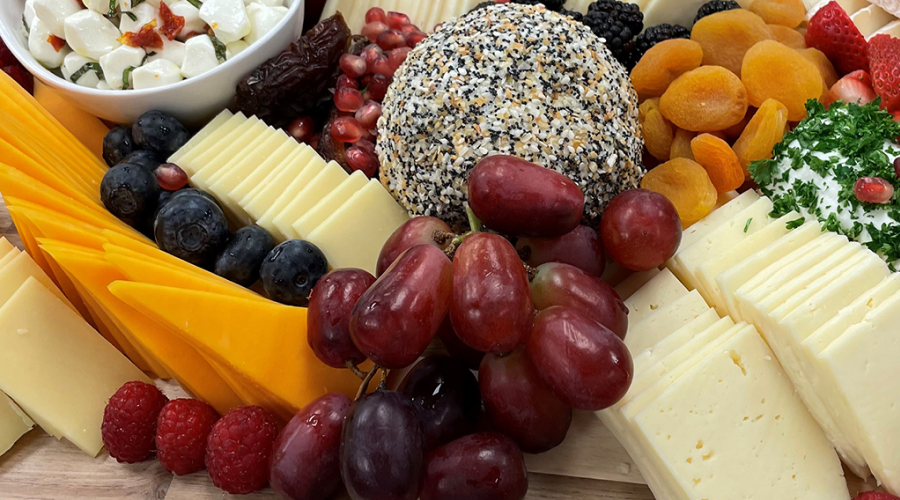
x=574, y=14
x=654, y=35
x=628, y=14
x=618, y=37
x=710, y=8
x=554, y=5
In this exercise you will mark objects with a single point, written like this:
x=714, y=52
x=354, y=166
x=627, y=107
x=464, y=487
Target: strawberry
x=853, y=88
x=871, y=495
x=884, y=59
x=831, y=31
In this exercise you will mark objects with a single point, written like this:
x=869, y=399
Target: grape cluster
x=546, y=337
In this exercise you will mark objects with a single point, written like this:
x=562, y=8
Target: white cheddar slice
x=321, y=186
x=354, y=234
x=734, y=278
x=287, y=192
x=14, y=423
x=732, y=429
x=200, y=136
x=633, y=283
x=5, y=246
x=18, y=270
x=316, y=215
x=57, y=368
x=9, y=257
x=187, y=159
x=247, y=146
x=673, y=315
x=261, y=198
x=649, y=357
x=243, y=169
x=224, y=150
x=659, y=291
x=871, y=19
x=257, y=176
x=891, y=29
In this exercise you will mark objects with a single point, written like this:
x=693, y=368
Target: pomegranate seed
x=897, y=167
x=346, y=129
x=409, y=29
x=302, y=129
x=360, y=159
x=368, y=115
x=346, y=81
x=382, y=67
x=378, y=87
x=370, y=53
x=415, y=38
x=353, y=66
x=873, y=190
x=347, y=99
x=376, y=14
x=366, y=146
x=373, y=30
x=437, y=26
x=171, y=177
x=397, y=20
x=398, y=56
x=390, y=40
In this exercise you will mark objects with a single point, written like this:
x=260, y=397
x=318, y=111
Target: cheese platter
x=504, y=249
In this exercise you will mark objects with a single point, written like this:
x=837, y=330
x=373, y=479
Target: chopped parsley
x=794, y=224
x=815, y=167
x=747, y=225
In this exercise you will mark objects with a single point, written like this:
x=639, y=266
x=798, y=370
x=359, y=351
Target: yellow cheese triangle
x=66, y=185
x=264, y=341
x=61, y=227
x=88, y=129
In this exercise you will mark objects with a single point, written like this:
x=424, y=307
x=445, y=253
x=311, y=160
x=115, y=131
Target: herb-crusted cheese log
x=508, y=79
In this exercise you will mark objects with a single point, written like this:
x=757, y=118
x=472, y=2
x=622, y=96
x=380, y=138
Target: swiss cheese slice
x=648, y=357
x=633, y=283
x=669, y=317
x=662, y=289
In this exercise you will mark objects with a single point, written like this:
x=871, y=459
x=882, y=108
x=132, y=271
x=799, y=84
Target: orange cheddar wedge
x=61, y=227
x=64, y=184
x=88, y=129
x=264, y=341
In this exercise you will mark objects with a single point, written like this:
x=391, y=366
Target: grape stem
x=384, y=378
x=443, y=237
x=532, y=272
x=475, y=226
x=355, y=369
x=364, y=388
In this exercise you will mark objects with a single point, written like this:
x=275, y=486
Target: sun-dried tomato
x=57, y=42
x=146, y=38
x=171, y=24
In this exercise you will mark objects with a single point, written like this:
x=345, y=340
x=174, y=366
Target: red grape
x=368, y=115
x=491, y=309
x=373, y=30
x=348, y=99
x=582, y=361
x=559, y=284
x=305, y=463
x=447, y=394
x=873, y=190
x=378, y=87
x=520, y=405
x=518, y=198
x=416, y=231
x=328, y=316
x=457, y=348
x=486, y=466
x=397, y=20
x=640, y=229
x=390, y=40
x=353, y=66
x=360, y=159
x=398, y=56
x=581, y=248
x=376, y=14
x=346, y=81
x=346, y=129
x=171, y=177
x=383, y=448
x=398, y=316
x=302, y=129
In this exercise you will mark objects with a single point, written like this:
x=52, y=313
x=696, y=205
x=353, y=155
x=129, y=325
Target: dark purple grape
x=328, y=317
x=564, y=285
x=520, y=405
x=457, y=348
x=640, y=229
x=518, y=198
x=491, y=308
x=448, y=394
x=417, y=231
x=486, y=466
x=398, y=316
x=581, y=248
x=580, y=360
x=305, y=462
x=383, y=448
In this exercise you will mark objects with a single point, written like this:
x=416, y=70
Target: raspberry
x=129, y=422
x=872, y=495
x=181, y=434
x=239, y=446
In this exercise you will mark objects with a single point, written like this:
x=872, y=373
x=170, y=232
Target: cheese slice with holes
x=659, y=291
x=668, y=318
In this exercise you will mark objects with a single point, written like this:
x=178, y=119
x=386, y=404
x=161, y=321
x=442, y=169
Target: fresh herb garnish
x=196, y=3
x=220, y=48
x=130, y=15
x=747, y=225
x=135, y=3
x=112, y=8
x=25, y=24
x=794, y=224
x=126, y=77
x=91, y=66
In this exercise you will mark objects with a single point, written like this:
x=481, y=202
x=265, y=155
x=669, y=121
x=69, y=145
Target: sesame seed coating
x=508, y=79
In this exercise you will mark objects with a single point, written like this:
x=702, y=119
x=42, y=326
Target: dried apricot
x=788, y=13
x=727, y=36
x=681, y=145
x=646, y=107
x=657, y=134
x=706, y=99
x=788, y=36
x=826, y=69
x=732, y=133
x=663, y=63
x=720, y=162
x=773, y=71
x=764, y=131
x=685, y=183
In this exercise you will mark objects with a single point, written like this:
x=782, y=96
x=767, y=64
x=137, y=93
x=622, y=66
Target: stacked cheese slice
x=710, y=413
x=829, y=309
x=870, y=18
x=262, y=176
x=55, y=367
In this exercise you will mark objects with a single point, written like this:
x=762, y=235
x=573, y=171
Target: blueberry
x=117, y=144
x=159, y=132
x=130, y=193
x=196, y=192
x=145, y=159
x=191, y=227
x=244, y=254
x=291, y=270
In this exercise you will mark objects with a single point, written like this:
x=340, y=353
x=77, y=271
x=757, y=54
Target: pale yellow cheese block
x=247, y=146
x=57, y=368
x=5, y=246
x=259, y=174
x=14, y=423
x=329, y=204
x=187, y=157
x=201, y=136
x=17, y=272
x=662, y=289
x=670, y=344
x=673, y=315
x=321, y=186
x=6, y=259
x=222, y=152
x=292, y=163
x=282, y=194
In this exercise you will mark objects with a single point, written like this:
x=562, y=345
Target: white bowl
x=193, y=101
